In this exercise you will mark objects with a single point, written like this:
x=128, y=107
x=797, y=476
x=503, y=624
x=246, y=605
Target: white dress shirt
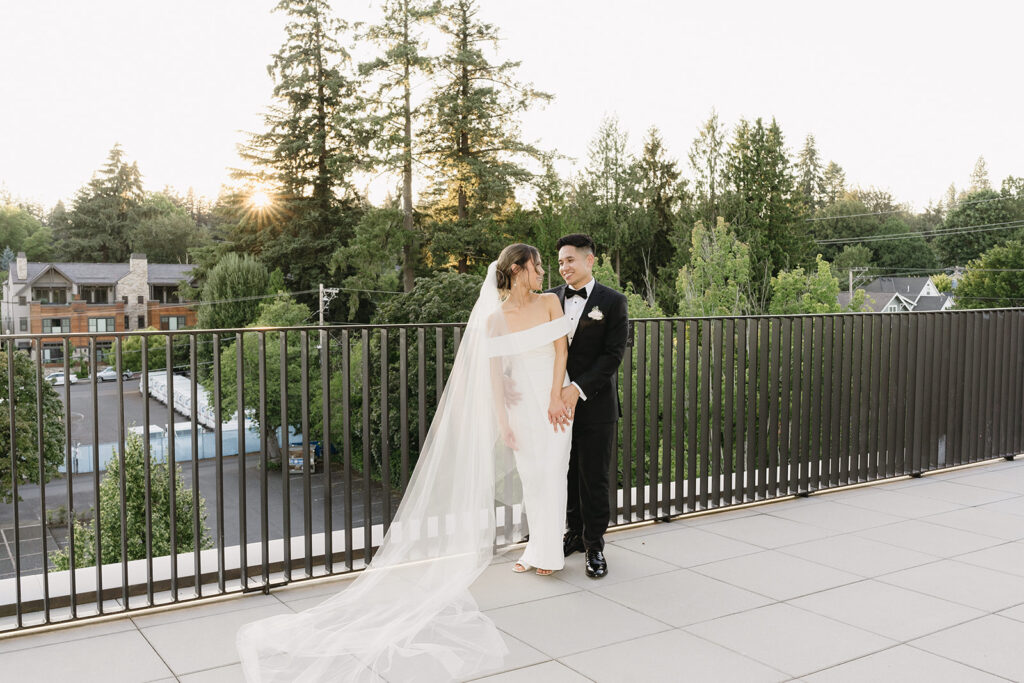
x=574, y=309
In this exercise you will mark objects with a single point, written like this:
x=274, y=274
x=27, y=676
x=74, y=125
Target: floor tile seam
x=73, y=640
x=574, y=670
x=240, y=600
x=906, y=641
x=735, y=651
x=769, y=598
x=957, y=661
x=990, y=612
x=956, y=558
x=533, y=600
x=972, y=531
x=634, y=611
x=999, y=541
x=604, y=645
x=159, y=656
x=933, y=560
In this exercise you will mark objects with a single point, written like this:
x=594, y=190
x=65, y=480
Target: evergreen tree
x=833, y=183
x=603, y=194
x=810, y=179
x=708, y=161
x=762, y=206
x=979, y=176
x=393, y=113
x=473, y=140
x=313, y=143
x=657, y=188
x=103, y=214
x=164, y=232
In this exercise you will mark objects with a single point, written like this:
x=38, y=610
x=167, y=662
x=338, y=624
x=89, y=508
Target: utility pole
x=859, y=270
x=327, y=294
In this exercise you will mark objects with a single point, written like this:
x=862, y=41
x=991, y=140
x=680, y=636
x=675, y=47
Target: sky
x=905, y=96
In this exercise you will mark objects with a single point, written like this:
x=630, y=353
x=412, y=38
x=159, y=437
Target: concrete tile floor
x=909, y=580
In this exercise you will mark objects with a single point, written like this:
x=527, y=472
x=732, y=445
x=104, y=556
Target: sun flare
x=260, y=200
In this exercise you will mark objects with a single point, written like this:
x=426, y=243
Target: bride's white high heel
x=522, y=568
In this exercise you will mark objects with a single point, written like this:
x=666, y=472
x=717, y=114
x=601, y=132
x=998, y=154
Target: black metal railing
x=716, y=412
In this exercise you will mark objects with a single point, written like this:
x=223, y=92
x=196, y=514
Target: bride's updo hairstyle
x=513, y=255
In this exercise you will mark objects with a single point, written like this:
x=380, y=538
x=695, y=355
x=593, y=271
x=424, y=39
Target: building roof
x=106, y=273
x=876, y=301
x=909, y=287
x=931, y=303
x=169, y=273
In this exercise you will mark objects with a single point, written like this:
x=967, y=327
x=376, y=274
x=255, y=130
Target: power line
x=960, y=230
x=891, y=211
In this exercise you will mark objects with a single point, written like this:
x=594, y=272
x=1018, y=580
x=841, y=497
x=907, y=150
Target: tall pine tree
x=393, y=114
x=473, y=139
x=103, y=213
x=310, y=148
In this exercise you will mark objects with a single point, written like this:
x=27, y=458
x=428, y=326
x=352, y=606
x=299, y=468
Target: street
x=32, y=516
x=107, y=398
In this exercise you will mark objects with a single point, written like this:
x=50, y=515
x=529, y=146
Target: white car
x=109, y=374
x=57, y=379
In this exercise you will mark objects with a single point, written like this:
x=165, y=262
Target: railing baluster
x=243, y=536
x=14, y=478
x=729, y=381
x=147, y=469
x=346, y=429
x=286, y=476
x=218, y=416
x=666, y=420
x=169, y=459
x=653, y=441
x=325, y=448
x=197, y=531
x=385, y=436
x=307, y=482
x=41, y=451
x=71, y=468
x=265, y=434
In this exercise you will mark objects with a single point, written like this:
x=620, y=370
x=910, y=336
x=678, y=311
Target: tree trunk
x=408, y=266
x=464, y=151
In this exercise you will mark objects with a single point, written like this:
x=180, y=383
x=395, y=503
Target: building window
x=23, y=324
x=101, y=324
x=53, y=353
x=56, y=325
x=172, y=322
x=165, y=294
x=141, y=299
x=50, y=295
x=127, y=323
x=21, y=301
x=95, y=295
x=142, y=322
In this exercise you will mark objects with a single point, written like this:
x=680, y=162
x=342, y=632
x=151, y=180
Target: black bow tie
x=570, y=293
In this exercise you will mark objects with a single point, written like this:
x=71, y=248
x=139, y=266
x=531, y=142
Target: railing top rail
x=369, y=326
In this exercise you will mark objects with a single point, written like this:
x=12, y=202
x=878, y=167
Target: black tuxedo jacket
x=596, y=352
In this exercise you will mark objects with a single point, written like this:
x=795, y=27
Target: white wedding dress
x=409, y=616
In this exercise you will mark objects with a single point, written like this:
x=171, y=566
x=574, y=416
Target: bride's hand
x=557, y=415
x=509, y=437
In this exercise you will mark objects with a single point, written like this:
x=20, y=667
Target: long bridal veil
x=410, y=615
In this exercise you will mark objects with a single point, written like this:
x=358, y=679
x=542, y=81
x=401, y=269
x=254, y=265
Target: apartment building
x=45, y=298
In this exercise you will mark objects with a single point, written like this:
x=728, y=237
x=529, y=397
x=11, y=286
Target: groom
x=597, y=340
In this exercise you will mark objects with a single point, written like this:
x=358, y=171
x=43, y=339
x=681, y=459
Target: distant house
x=880, y=302
x=44, y=298
x=895, y=294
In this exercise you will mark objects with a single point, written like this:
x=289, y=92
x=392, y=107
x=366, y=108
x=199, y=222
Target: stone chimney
x=21, y=265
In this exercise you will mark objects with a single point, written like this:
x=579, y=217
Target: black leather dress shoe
x=572, y=543
x=596, y=566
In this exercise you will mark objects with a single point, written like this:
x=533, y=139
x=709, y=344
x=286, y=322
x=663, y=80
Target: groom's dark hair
x=578, y=240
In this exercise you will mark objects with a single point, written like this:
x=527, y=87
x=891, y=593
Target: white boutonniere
x=595, y=314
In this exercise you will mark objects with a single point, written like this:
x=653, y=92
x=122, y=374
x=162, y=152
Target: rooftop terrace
x=910, y=579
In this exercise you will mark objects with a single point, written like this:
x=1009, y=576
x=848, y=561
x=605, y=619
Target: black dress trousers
x=587, y=510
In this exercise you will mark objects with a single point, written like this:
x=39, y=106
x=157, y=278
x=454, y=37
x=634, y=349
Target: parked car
x=57, y=379
x=316, y=456
x=109, y=374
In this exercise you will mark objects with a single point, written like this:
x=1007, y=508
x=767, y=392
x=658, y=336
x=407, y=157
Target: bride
x=495, y=457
